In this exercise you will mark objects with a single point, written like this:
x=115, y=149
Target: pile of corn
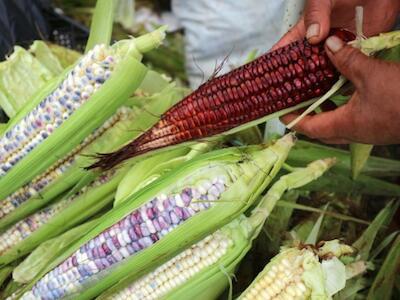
x=109, y=190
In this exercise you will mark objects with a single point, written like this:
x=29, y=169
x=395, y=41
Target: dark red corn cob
x=274, y=81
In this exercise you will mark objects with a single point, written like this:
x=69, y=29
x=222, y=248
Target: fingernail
x=312, y=31
x=334, y=44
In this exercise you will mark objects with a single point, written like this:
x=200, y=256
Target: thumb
x=351, y=62
x=317, y=14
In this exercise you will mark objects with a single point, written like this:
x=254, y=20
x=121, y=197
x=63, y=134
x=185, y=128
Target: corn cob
x=202, y=263
x=275, y=81
x=37, y=185
x=153, y=167
x=297, y=273
x=69, y=107
x=183, y=267
x=217, y=187
x=119, y=129
x=80, y=84
x=50, y=221
x=25, y=228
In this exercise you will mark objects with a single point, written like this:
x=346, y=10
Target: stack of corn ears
x=18, y=239
x=202, y=271
x=157, y=221
x=23, y=236
x=70, y=108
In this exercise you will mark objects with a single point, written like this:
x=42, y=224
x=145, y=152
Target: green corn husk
x=46, y=252
x=4, y=274
x=76, y=209
x=209, y=281
x=42, y=52
x=25, y=72
x=65, y=56
x=93, y=199
x=21, y=75
x=248, y=171
x=154, y=167
x=123, y=82
x=138, y=117
x=101, y=24
x=41, y=256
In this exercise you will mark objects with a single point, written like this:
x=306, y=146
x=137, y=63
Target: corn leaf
x=383, y=285
x=5, y=272
x=305, y=152
x=359, y=156
x=336, y=182
x=366, y=240
x=312, y=237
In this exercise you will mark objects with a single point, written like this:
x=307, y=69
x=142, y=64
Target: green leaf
x=312, y=237
x=5, y=272
x=336, y=182
x=359, y=156
x=306, y=152
x=383, y=285
x=366, y=240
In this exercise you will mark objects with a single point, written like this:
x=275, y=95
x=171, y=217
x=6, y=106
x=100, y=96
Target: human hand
x=320, y=15
x=372, y=114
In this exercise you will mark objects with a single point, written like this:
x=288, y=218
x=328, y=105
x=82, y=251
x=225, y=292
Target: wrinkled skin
x=372, y=114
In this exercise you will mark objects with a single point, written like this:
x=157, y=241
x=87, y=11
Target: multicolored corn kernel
x=37, y=185
x=276, y=80
x=178, y=270
x=297, y=273
x=135, y=232
x=80, y=83
x=24, y=228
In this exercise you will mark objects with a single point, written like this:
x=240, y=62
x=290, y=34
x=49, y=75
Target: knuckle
x=315, y=10
x=351, y=60
x=310, y=130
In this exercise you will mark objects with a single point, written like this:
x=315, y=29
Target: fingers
x=351, y=62
x=297, y=32
x=317, y=16
x=333, y=126
x=314, y=24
